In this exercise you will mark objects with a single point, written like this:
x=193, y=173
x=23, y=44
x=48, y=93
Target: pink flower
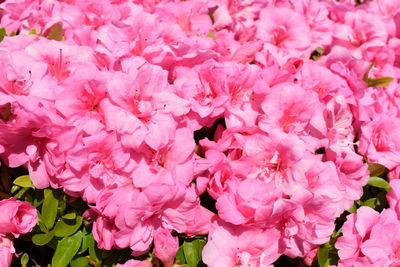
x=142, y=106
x=128, y=217
x=383, y=245
x=17, y=217
x=379, y=142
x=165, y=246
x=393, y=196
x=245, y=202
x=357, y=231
x=280, y=34
x=360, y=32
x=135, y=263
x=230, y=245
x=304, y=221
x=289, y=107
x=94, y=163
x=6, y=250
x=203, y=87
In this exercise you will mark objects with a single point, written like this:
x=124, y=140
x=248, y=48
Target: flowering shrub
x=218, y=133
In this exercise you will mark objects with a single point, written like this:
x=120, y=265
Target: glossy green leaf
x=24, y=260
x=370, y=203
x=379, y=82
x=94, y=252
x=21, y=192
x=70, y=215
x=79, y=262
x=40, y=223
x=192, y=251
x=49, y=208
x=56, y=32
x=317, y=53
x=379, y=182
x=62, y=204
x=376, y=82
x=37, y=198
x=42, y=239
x=67, y=227
x=3, y=33
x=353, y=209
x=85, y=241
x=23, y=181
x=180, y=256
x=366, y=74
x=66, y=250
x=14, y=189
x=323, y=255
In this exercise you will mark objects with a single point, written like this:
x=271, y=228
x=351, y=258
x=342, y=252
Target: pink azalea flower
x=289, y=107
x=369, y=239
x=7, y=250
x=132, y=217
x=230, y=245
x=135, y=263
x=378, y=141
x=165, y=246
x=17, y=217
x=141, y=107
x=280, y=34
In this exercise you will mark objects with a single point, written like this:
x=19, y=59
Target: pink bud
x=165, y=246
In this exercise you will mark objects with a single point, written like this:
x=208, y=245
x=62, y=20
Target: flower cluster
x=107, y=99
x=371, y=238
x=17, y=217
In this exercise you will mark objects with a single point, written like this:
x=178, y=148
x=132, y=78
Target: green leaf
x=56, y=32
x=353, y=208
x=85, y=241
x=33, y=31
x=62, y=204
x=24, y=260
x=376, y=169
x=323, y=255
x=211, y=35
x=379, y=182
x=366, y=74
x=376, y=82
x=67, y=227
x=180, y=256
x=42, y=239
x=192, y=251
x=370, y=203
x=79, y=262
x=66, y=250
x=49, y=208
x=70, y=215
x=40, y=223
x=37, y=198
x=3, y=33
x=21, y=192
x=94, y=252
x=379, y=82
x=23, y=181
x=317, y=53
x=14, y=189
